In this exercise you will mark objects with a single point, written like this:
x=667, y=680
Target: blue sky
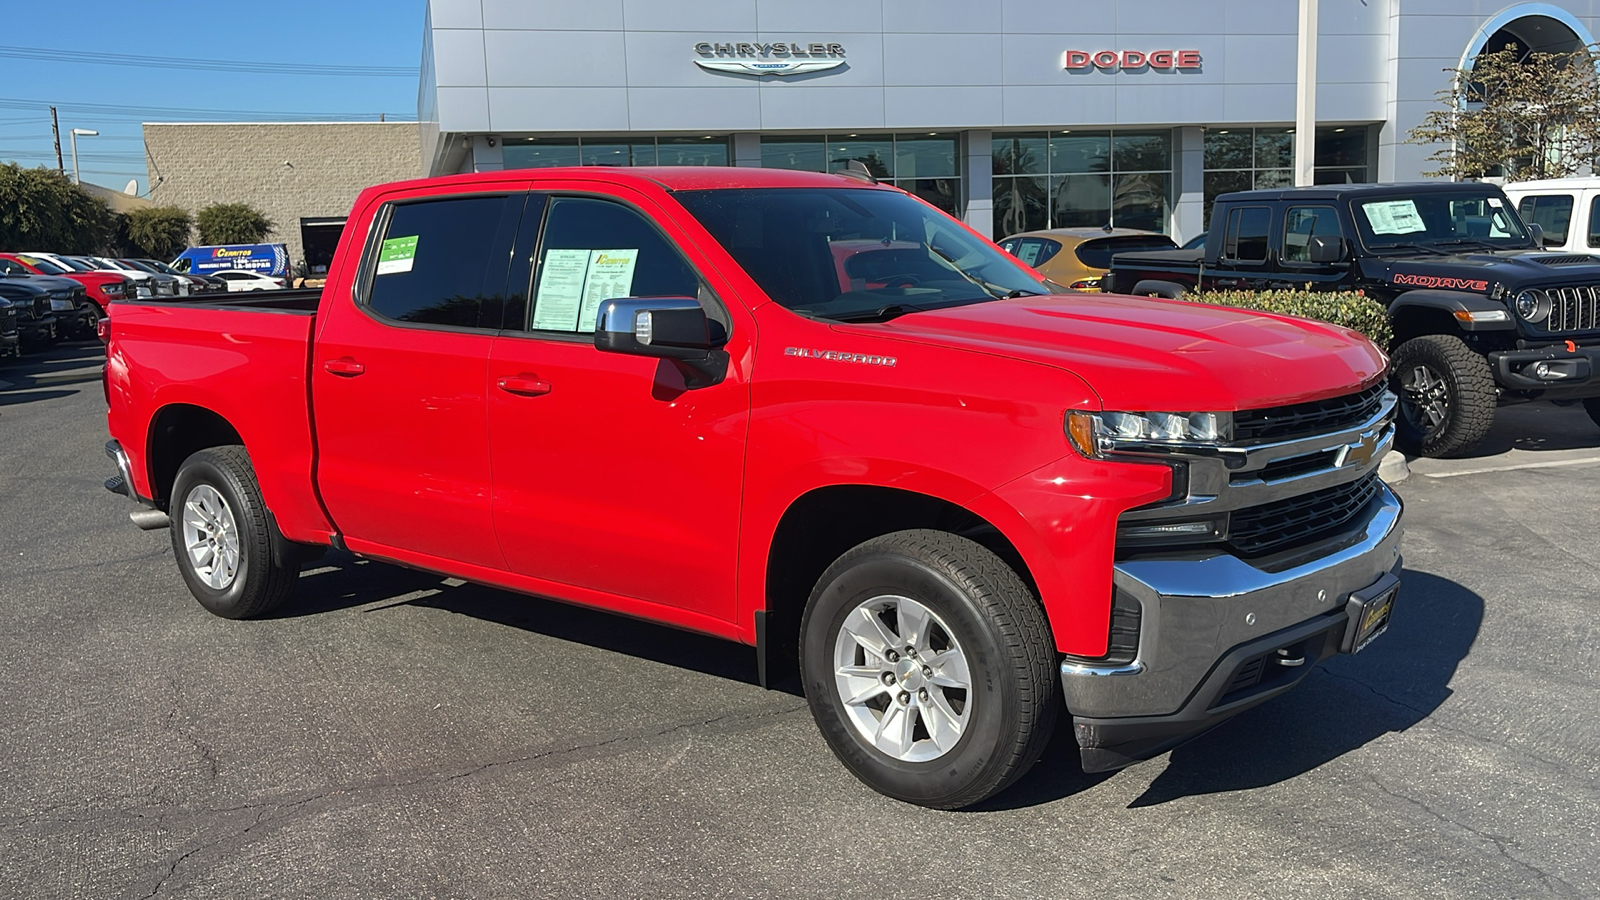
x=309, y=32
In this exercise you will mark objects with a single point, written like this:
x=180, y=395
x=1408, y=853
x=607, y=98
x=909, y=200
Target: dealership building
x=1013, y=115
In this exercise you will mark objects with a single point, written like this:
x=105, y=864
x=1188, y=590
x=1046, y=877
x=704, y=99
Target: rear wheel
x=928, y=667
x=222, y=539
x=1447, y=395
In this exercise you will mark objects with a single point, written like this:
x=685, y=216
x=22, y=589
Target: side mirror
x=673, y=328
x=1326, y=248
x=1536, y=234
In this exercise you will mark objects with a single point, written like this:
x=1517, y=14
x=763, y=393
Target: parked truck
x=1482, y=315
x=806, y=412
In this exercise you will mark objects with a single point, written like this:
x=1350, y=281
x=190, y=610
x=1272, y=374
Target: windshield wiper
x=1415, y=246
x=993, y=290
x=1479, y=243
x=881, y=314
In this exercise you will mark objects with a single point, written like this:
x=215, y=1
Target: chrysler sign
x=754, y=58
x=1131, y=60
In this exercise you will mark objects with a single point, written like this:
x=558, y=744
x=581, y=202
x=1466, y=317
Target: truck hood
x=1142, y=353
x=1479, y=271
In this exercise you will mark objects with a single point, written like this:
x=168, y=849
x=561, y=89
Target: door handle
x=345, y=366
x=526, y=385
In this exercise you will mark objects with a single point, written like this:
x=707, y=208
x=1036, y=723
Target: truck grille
x=8, y=320
x=1258, y=530
x=1297, y=420
x=1574, y=308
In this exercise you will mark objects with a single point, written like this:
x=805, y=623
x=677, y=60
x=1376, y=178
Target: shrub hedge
x=1351, y=309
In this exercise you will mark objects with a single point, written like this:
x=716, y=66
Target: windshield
x=844, y=253
x=136, y=266
x=44, y=266
x=1454, y=218
x=158, y=266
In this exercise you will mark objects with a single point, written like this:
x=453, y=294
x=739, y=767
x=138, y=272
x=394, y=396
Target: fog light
x=1542, y=370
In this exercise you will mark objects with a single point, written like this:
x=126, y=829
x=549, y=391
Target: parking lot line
x=1537, y=465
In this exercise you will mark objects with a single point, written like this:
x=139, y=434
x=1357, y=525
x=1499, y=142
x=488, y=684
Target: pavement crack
x=1502, y=844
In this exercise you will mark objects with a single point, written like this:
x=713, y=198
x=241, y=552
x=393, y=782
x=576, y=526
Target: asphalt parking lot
x=396, y=734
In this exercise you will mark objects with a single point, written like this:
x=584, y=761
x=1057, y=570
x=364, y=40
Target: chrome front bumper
x=1205, y=620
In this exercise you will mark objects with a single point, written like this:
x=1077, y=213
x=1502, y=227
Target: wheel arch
x=820, y=525
x=178, y=430
x=1416, y=313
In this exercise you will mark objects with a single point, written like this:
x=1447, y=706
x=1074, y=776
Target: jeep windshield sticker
x=1393, y=217
x=1437, y=281
x=862, y=358
x=397, y=254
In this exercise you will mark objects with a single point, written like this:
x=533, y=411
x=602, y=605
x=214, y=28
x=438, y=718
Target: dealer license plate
x=1373, y=619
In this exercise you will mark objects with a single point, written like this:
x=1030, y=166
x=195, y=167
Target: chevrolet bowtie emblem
x=1359, y=453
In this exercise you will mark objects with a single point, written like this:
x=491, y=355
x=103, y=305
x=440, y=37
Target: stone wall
x=289, y=171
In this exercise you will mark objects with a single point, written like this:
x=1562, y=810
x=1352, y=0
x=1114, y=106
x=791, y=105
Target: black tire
x=258, y=584
x=1447, y=395
x=1592, y=407
x=1001, y=631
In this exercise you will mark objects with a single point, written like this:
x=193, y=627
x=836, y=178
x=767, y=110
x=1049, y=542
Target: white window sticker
x=1394, y=217
x=1029, y=253
x=397, y=254
x=555, y=305
x=610, y=277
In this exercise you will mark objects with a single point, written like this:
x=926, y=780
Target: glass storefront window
x=1238, y=159
x=923, y=164
x=1091, y=179
x=539, y=153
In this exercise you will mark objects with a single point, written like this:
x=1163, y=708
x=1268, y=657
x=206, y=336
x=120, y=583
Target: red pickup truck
x=806, y=412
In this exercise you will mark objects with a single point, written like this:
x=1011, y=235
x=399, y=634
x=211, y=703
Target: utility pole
x=55, y=130
x=1305, y=97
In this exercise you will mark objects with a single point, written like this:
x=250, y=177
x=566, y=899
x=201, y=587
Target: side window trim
x=364, y=282
x=716, y=309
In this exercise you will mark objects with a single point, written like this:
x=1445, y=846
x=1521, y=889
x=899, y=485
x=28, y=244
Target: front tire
x=222, y=539
x=1447, y=395
x=929, y=668
x=1592, y=407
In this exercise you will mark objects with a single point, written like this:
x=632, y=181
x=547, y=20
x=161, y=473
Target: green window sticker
x=397, y=254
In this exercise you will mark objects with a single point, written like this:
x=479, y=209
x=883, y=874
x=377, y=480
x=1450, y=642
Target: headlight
x=1097, y=435
x=1533, y=305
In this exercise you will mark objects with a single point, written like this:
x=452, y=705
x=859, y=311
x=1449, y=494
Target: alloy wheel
x=211, y=537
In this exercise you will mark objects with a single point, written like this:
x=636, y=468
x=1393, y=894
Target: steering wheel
x=902, y=281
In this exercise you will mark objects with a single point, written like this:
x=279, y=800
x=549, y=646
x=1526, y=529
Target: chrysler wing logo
x=762, y=58
x=769, y=66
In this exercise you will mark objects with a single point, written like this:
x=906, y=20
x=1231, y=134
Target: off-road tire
x=260, y=584
x=1466, y=387
x=1002, y=631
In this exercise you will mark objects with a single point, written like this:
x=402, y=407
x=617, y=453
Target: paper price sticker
x=397, y=255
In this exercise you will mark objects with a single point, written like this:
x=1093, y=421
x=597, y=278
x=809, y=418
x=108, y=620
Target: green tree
x=40, y=209
x=1517, y=115
x=232, y=223
x=159, y=231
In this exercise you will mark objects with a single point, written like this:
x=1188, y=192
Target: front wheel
x=929, y=668
x=1447, y=395
x=222, y=539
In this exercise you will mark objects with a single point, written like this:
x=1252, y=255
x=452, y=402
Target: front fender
x=1460, y=305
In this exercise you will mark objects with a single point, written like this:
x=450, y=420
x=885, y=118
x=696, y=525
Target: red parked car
x=102, y=288
x=961, y=502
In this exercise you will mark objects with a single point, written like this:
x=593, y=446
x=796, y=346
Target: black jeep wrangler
x=1481, y=315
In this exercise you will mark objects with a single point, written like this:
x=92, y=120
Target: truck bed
x=1128, y=269
x=243, y=357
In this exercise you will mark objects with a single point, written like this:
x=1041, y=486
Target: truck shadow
x=1536, y=426
x=1344, y=704
x=339, y=581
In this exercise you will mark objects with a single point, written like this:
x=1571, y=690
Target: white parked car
x=1568, y=209
x=240, y=280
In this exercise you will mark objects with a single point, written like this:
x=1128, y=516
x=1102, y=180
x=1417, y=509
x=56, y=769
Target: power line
x=208, y=65
x=125, y=112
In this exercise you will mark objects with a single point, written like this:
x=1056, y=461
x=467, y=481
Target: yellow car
x=1079, y=257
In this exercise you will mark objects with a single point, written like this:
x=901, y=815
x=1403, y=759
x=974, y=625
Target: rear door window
x=1246, y=237
x=1594, y=221
x=445, y=261
x=1097, y=253
x=1552, y=212
x=1301, y=224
